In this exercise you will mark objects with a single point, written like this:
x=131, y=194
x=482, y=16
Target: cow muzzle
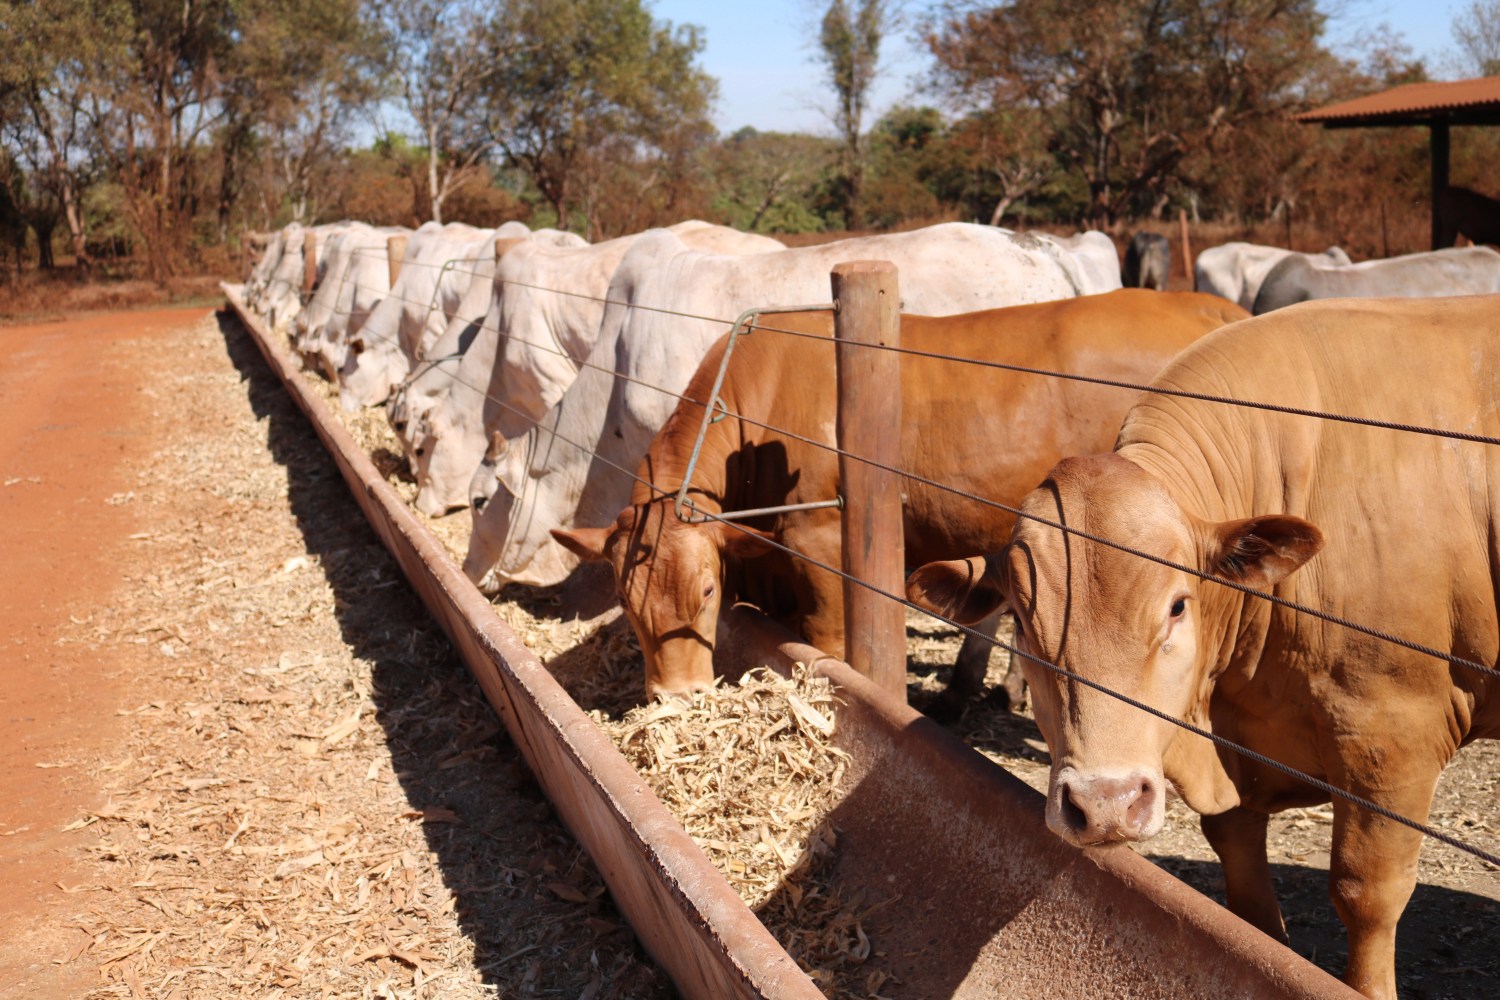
x=1103, y=808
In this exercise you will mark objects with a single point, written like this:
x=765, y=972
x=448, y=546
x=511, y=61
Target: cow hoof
x=945, y=710
x=999, y=700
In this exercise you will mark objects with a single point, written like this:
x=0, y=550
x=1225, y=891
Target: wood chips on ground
x=313, y=800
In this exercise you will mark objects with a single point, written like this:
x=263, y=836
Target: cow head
x=372, y=368
x=669, y=575
x=1158, y=635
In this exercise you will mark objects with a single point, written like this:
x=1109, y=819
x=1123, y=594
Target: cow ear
x=1262, y=551
x=586, y=543
x=963, y=590
x=744, y=542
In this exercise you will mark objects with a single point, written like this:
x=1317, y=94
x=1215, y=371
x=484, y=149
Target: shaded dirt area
x=265, y=773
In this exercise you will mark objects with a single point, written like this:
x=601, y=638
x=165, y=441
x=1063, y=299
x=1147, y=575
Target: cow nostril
x=400, y=426
x=1072, y=814
x=1138, y=813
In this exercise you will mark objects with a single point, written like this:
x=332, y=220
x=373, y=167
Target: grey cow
x=1148, y=261
x=1465, y=271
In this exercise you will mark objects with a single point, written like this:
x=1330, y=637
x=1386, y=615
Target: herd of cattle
x=555, y=388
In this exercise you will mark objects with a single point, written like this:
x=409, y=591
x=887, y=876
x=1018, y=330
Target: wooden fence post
x=395, y=250
x=868, y=311
x=1187, y=248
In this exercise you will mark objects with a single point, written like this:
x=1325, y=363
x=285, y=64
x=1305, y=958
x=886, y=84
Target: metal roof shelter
x=1436, y=105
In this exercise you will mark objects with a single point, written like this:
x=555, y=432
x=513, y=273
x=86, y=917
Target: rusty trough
x=989, y=903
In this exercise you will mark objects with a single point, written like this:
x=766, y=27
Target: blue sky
x=761, y=54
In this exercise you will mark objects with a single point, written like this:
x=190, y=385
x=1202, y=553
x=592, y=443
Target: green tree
x=849, y=47
x=295, y=80
x=1476, y=29
x=587, y=82
x=52, y=80
x=435, y=56
x=159, y=106
x=1129, y=90
x=766, y=181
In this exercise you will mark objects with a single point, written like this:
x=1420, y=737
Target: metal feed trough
x=991, y=903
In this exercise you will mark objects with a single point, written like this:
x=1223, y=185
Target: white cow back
x=439, y=264
x=545, y=317
x=1235, y=271
x=568, y=471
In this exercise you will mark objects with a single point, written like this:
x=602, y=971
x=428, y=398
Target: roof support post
x=1439, y=130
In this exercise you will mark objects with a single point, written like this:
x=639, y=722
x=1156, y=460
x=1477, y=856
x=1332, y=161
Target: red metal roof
x=1413, y=102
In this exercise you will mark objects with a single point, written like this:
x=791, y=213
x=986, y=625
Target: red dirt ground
x=70, y=403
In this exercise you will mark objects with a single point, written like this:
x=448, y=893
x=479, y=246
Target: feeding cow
x=542, y=320
x=1384, y=527
x=572, y=469
x=281, y=299
x=774, y=447
x=1465, y=271
x=468, y=343
x=265, y=267
x=1148, y=262
x=1236, y=270
x=354, y=277
x=438, y=267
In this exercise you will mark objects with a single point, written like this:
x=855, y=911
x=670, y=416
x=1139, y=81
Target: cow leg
x=1238, y=837
x=967, y=679
x=1370, y=879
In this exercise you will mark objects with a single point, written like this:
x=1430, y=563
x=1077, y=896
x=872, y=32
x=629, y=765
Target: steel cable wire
x=1218, y=740
x=1296, y=606
x=1324, y=786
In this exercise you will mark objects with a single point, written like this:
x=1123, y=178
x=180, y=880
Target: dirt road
x=73, y=414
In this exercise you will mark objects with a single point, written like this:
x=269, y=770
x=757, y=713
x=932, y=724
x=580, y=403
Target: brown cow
x=673, y=576
x=1404, y=530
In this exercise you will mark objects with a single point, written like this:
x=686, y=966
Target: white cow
x=282, y=300
x=1456, y=271
x=260, y=275
x=543, y=322
x=354, y=276
x=470, y=328
x=1097, y=258
x=1234, y=271
x=436, y=271
x=574, y=468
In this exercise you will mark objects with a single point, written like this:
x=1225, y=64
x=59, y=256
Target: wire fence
x=660, y=494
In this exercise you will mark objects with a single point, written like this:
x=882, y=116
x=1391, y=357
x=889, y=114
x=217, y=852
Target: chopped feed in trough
x=751, y=771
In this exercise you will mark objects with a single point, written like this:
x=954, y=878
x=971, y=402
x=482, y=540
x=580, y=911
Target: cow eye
x=1178, y=607
x=708, y=590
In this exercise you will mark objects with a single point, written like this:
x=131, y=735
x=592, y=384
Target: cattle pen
x=1132, y=930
